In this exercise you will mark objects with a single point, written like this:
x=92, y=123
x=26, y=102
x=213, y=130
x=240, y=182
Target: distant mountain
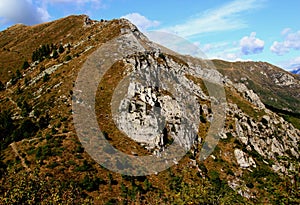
x=295, y=69
x=276, y=87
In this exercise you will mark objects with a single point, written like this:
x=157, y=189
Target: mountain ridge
x=255, y=161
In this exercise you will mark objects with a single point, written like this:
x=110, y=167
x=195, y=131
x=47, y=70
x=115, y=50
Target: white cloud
x=229, y=56
x=175, y=43
x=32, y=12
x=286, y=31
x=22, y=11
x=72, y=1
x=140, y=21
x=234, y=51
x=80, y=2
x=279, y=48
x=222, y=50
x=291, y=41
x=251, y=44
x=227, y=17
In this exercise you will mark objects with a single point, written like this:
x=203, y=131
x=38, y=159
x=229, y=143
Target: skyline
x=258, y=30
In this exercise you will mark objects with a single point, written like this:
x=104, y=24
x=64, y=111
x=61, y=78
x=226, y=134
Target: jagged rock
x=223, y=136
x=237, y=185
x=240, y=133
x=264, y=138
x=284, y=79
x=87, y=21
x=243, y=160
x=249, y=95
x=146, y=110
x=278, y=168
x=276, y=147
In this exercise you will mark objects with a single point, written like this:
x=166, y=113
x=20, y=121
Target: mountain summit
x=174, y=129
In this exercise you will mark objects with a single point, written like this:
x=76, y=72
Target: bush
x=53, y=165
x=175, y=183
x=14, y=79
x=26, y=81
x=43, y=121
x=79, y=149
x=162, y=56
x=68, y=57
x=90, y=183
x=85, y=167
x=6, y=128
x=215, y=179
x=250, y=185
x=43, y=152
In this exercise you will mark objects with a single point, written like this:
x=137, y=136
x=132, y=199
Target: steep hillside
x=63, y=80
x=278, y=89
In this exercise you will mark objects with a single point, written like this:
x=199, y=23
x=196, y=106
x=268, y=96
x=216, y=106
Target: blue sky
x=259, y=30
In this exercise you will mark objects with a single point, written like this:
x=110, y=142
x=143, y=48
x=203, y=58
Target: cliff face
x=237, y=124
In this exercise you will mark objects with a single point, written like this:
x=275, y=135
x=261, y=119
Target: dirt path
x=14, y=147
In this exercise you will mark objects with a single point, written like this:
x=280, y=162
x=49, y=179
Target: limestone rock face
x=155, y=110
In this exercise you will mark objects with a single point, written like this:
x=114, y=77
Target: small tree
x=55, y=54
x=46, y=77
x=61, y=49
x=25, y=65
x=18, y=74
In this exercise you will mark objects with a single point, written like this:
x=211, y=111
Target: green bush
x=68, y=57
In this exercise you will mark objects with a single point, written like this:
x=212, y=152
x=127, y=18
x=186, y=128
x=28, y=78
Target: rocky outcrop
x=272, y=138
x=243, y=160
x=155, y=110
x=249, y=95
x=283, y=79
x=240, y=187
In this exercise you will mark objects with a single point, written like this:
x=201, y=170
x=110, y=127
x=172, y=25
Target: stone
x=249, y=95
x=243, y=160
